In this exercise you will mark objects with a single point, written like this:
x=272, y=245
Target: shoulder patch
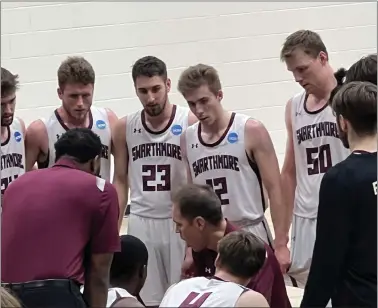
x=100, y=183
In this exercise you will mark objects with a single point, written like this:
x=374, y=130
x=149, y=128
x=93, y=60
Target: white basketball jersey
x=12, y=155
x=116, y=293
x=226, y=167
x=155, y=163
x=317, y=148
x=203, y=292
x=99, y=123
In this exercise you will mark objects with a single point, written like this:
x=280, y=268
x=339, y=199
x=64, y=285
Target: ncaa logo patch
x=17, y=136
x=100, y=124
x=176, y=129
x=232, y=137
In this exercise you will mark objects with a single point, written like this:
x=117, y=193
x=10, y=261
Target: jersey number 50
x=319, y=159
x=159, y=174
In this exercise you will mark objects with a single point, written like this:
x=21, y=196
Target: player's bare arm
x=262, y=151
x=251, y=299
x=184, y=156
x=121, y=162
x=112, y=118
x=23, y=127
x=36, y=144
x=188, y=260
x=288, y=172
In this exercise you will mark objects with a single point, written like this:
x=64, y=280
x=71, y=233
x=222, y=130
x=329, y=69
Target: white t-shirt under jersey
x=203, y=292
x=317, y=147
x=99, y=123
x=116, y=293
x=155, y=163
x=12, y=155
x=225, y=166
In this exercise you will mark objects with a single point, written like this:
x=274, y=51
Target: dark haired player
x=128, y=273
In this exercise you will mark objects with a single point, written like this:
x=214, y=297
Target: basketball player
x=347, y=273
x=240, y=256
x=313, y=145
x=128, y=273
x=76, y=79
x=149, y=160
x=12, y=132
x=234, y=154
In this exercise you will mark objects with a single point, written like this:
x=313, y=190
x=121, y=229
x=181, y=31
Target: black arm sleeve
x=332, y=235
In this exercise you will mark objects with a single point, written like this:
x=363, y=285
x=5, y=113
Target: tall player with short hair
x=12, y=132
x=240, y=256
x=234, y=154
x=149, y=161
x=313, y=145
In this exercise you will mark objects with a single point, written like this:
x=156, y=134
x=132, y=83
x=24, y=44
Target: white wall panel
x=242, y=40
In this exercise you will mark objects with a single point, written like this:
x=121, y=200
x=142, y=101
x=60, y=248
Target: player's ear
x=216, y=262
x=199, y=222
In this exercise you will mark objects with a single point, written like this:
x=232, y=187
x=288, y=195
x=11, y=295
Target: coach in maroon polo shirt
x=59, y=228
x=197, y=212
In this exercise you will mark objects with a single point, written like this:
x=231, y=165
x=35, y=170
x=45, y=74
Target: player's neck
x=229, y=277
x=220, y=124
x=157, y=121
x=367, y=144
x=323, y=93
x=129, y=286
x=4, y=132
x=216, y=234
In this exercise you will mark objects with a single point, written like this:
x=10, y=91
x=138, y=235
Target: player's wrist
x=281, y=241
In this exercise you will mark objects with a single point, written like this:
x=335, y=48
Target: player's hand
x=283, y=256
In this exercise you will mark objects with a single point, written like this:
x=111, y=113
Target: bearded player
x=149, y=161
x=12, y=132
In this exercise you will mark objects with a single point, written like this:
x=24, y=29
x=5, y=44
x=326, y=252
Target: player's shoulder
x=250, y=298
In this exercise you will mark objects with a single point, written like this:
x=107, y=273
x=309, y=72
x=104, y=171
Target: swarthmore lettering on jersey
x=226, y=166
x=12, y=155
x=99, y=123
x=317, y=147
x=12, y=160
x=215, y=162
x=155, y=150
x=317, y=130
x=155, y=163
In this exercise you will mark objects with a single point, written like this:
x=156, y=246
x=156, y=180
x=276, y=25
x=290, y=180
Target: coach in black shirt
x=344, y=264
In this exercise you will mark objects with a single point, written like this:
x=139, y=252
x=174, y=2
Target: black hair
x=130, y=259
x=196, y=200
x=149, y=66
x=9, y=82
x=81, y=144
x=364, y=69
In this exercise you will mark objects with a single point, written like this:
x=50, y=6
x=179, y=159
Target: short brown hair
x=196, y=76
x=308, y=41
x=9, y=82
x=196, y=200
x=356, y=101
x=364, y=69
x=75, y=70
x=241, y=253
